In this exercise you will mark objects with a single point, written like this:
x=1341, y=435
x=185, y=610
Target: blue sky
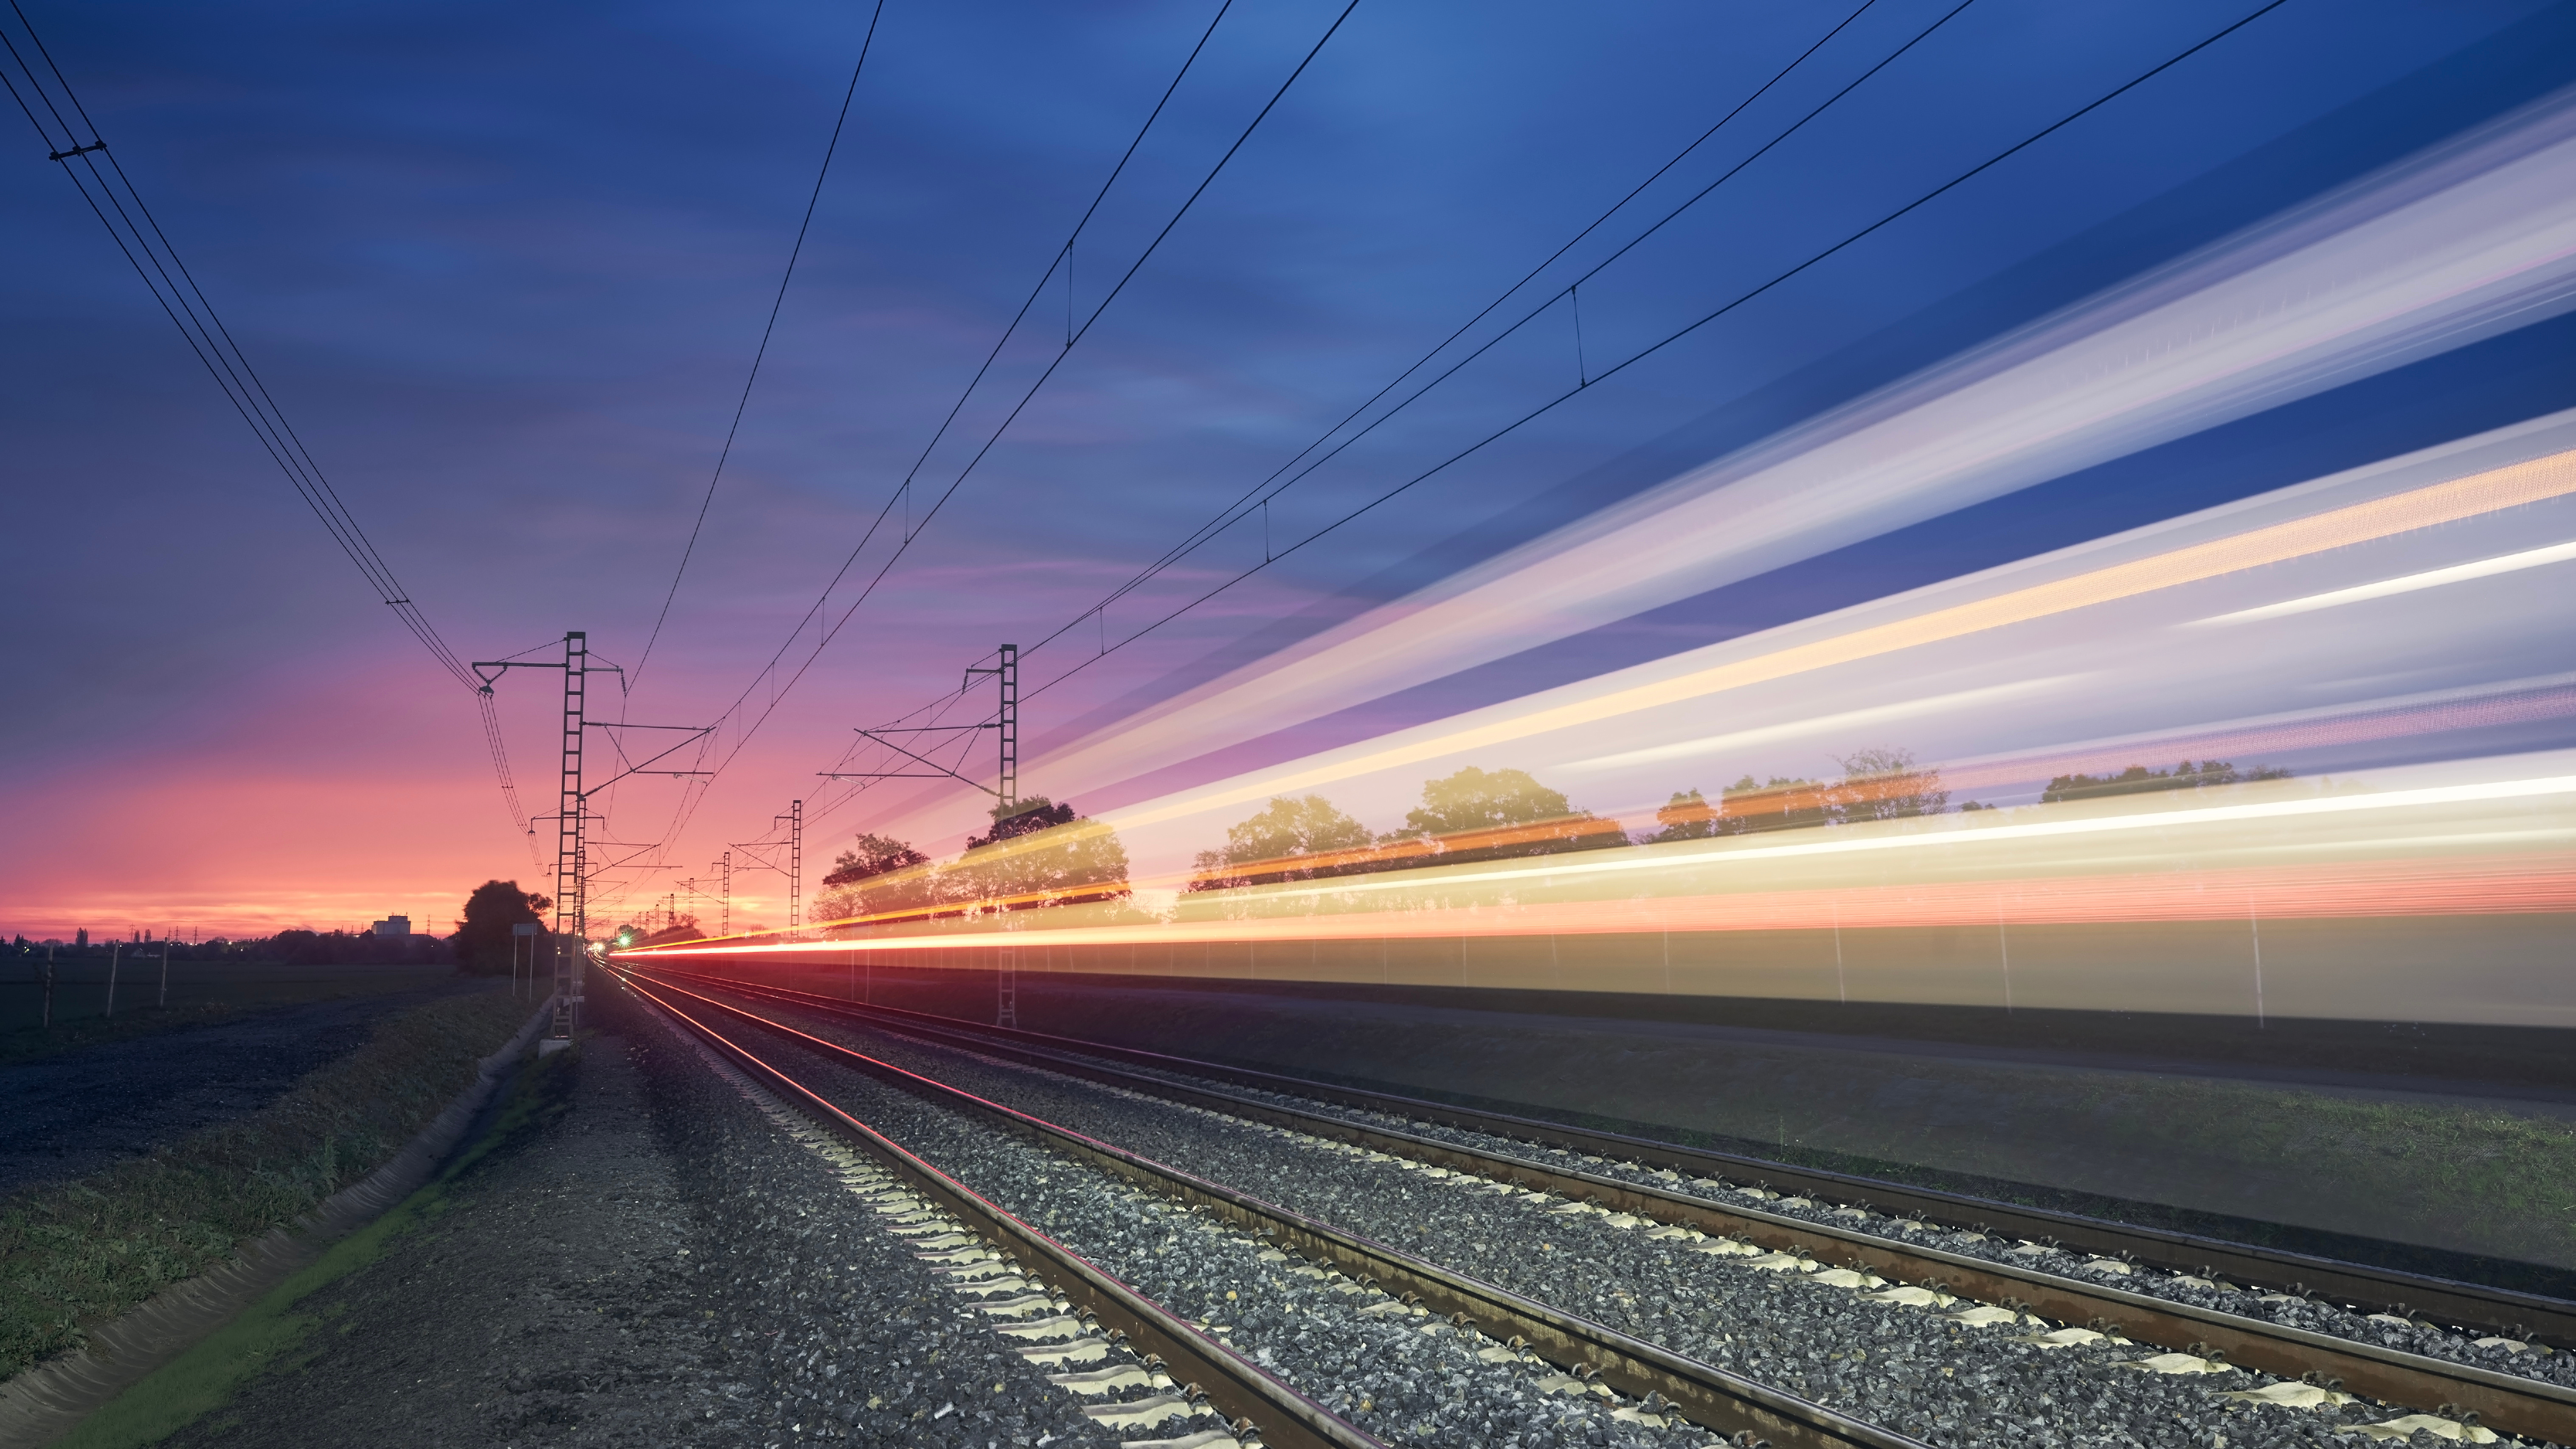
x=506, y=267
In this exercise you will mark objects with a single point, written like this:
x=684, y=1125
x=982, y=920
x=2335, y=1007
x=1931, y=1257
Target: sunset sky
x=505, y=269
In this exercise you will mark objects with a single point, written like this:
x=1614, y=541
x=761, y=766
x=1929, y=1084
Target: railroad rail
x=1233, y=1385
x=1707, y=1395
x=2507, y=1402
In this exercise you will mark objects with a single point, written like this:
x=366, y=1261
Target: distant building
x=393, y=926
x=81, y=936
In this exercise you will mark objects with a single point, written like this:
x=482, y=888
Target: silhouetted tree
x=683, y=927
x=846, y=892
x=1688, y=817
x=1040, y=854
x=2138, y=780
x=1887, y=785
x=1298, y=839
x=1028, y=817
x=875, y=855
x=1484, y=815
x=1779, y=803
x=483, y=940
x=303, y=947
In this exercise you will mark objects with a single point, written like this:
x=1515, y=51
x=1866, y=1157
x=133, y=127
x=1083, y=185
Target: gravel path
x=73, y=1114
x=1844, y=1340
x=655, y=1261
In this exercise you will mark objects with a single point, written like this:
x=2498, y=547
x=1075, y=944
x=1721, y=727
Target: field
x=199, y=992
x=75, y=1253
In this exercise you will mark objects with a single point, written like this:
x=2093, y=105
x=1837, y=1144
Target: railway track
x=2452, y=1397
x=1658, y=1387
x=1008, y=1257
x=2478, y=1308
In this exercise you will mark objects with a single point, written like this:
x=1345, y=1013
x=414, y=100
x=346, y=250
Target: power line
x=1061, y=259
x=901, y=494
x=1651, y=349
x=147, y=248
x=1262, y=494
x=1274, y=555
x=775, y=303
x=914, y=531
x=1262, y=491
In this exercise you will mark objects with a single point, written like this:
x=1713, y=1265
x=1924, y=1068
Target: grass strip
x=273, y=1333
x=74, y=1254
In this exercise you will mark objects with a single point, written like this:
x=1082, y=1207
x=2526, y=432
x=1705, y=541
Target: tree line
x=1047, y=854
x=1036, y=853
x=296, y=947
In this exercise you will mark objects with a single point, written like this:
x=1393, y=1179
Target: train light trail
x=1688, y=678
x=2476, y=847
x=2429, y=579
x=2446, y=248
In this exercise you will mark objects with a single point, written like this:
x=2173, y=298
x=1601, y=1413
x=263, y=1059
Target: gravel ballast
x=2314, y=1314
x=1842, y=1340
x=1387, y=1367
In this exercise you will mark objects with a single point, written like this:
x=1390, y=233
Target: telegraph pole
x=726, y=927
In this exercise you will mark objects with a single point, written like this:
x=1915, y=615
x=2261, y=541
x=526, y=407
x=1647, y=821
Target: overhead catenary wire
x=113, y=198
x=743, y=403
x=828, y=628
x=1597, y=376
x=1812, y=260
x=902, y=492
x=1261, y=492
x=1262, y=495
